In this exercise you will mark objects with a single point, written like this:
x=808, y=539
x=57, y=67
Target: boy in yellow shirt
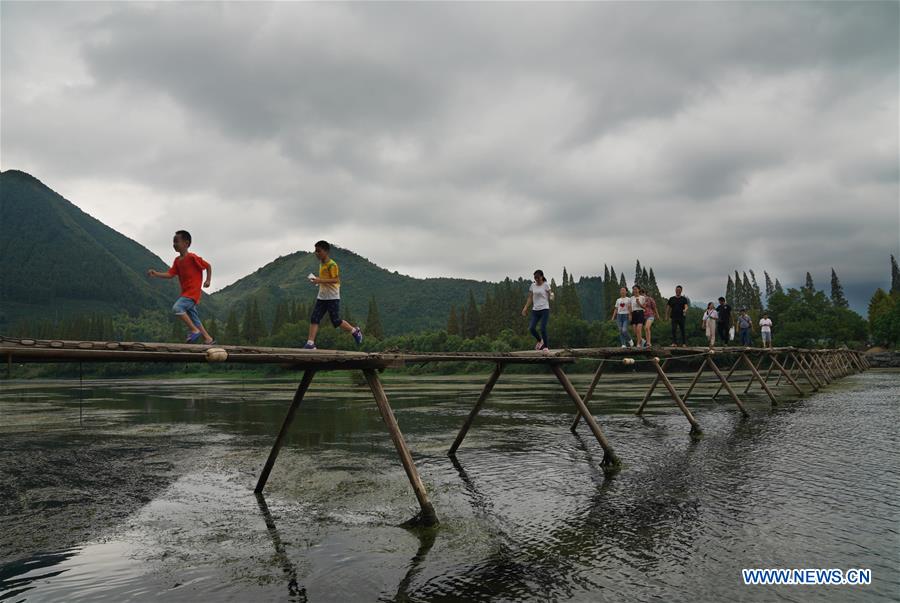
x=329, y=298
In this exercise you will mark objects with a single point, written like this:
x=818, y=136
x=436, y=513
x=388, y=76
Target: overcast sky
x=474, y=140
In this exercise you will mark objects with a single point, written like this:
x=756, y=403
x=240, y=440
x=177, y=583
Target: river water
x=143, y=490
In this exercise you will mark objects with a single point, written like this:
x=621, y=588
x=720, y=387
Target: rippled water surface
x=143, y=490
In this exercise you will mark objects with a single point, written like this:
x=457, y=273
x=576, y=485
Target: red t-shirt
x=189, y=270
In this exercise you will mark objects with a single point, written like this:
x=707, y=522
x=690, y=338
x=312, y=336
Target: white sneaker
x=624, y=346
x=631, y=343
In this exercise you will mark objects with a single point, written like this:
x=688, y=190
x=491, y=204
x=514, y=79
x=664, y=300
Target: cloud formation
x=477, y=140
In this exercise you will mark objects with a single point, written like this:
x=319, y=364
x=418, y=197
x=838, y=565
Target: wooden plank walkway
x=815, y=368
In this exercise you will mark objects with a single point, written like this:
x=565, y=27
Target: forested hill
x=58, y=261
x=406, y=304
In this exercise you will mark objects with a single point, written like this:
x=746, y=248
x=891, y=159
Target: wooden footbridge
x=801, y=370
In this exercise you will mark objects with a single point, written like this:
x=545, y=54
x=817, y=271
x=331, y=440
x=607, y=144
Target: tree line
x=803, y=316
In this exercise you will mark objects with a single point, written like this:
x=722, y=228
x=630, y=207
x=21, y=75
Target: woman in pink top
x=649, y=315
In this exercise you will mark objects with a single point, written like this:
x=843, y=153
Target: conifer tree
x=746, y=293
x=281, y=316
x=837, y=292
x=770, y=288
x=622, y=285
x=472, y=318
x=612, y=291
x=373, y=321
x=232, y=331
x=452, y=322
x=638, y=273
x=778, y=287
x=756, y=300
x=895, y=276
x=212, y=327
x=809, y=285
x=729, y=290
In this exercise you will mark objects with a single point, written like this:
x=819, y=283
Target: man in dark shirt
x=723, y=324
x=676, y=308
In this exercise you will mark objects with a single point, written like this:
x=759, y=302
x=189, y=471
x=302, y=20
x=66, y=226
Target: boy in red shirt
x=188, y=267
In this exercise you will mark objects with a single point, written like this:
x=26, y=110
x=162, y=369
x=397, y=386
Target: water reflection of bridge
x=813, y=368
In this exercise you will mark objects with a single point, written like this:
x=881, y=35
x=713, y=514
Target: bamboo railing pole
x=650, y=391
x=588, y=394
x=428, y=516
x=609, y=455
x=760, y=379
x=695, y=427
x=492, y=380
x=696, y=378
x=285, y=426
x=730, y=372
x=785, y=374
x=728, y=387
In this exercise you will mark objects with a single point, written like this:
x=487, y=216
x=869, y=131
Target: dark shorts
x=331, y=306
x=637, y=317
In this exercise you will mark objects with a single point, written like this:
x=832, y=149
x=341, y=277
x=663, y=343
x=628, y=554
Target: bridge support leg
x=609, y=456
x=808, y=371
x=757, y=376
x=727, y=386
x=750, y=382
x=427, y=516
x=695, y=427
x=727, y=376
x=695, y=380
x=495, y=375
x=650, y=390
x=285, y=426
x=784, y=373
x=589, y=393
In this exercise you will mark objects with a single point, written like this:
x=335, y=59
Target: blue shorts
x=185, y=305
x=331, y=306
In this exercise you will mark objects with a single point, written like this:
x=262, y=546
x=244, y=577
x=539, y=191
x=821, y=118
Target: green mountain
x=406, y=304
x=58, y=261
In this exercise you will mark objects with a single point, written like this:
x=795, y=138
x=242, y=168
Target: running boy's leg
x=194, y=315
x=180, y=309
x=334, y=312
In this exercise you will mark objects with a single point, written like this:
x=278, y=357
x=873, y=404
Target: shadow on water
x=296, y=593
x=18, y=577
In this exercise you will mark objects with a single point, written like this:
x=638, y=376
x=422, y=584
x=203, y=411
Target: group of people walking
x=717, y=321
x=635, y=314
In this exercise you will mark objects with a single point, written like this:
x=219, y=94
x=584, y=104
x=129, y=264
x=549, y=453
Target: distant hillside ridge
x=58, y=261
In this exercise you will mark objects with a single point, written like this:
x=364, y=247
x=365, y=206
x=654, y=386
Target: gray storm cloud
x=475, y=140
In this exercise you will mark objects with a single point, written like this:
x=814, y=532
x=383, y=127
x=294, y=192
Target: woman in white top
x=622, y=315
x=765, y=328
x=710, y=317
x=539, y=296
